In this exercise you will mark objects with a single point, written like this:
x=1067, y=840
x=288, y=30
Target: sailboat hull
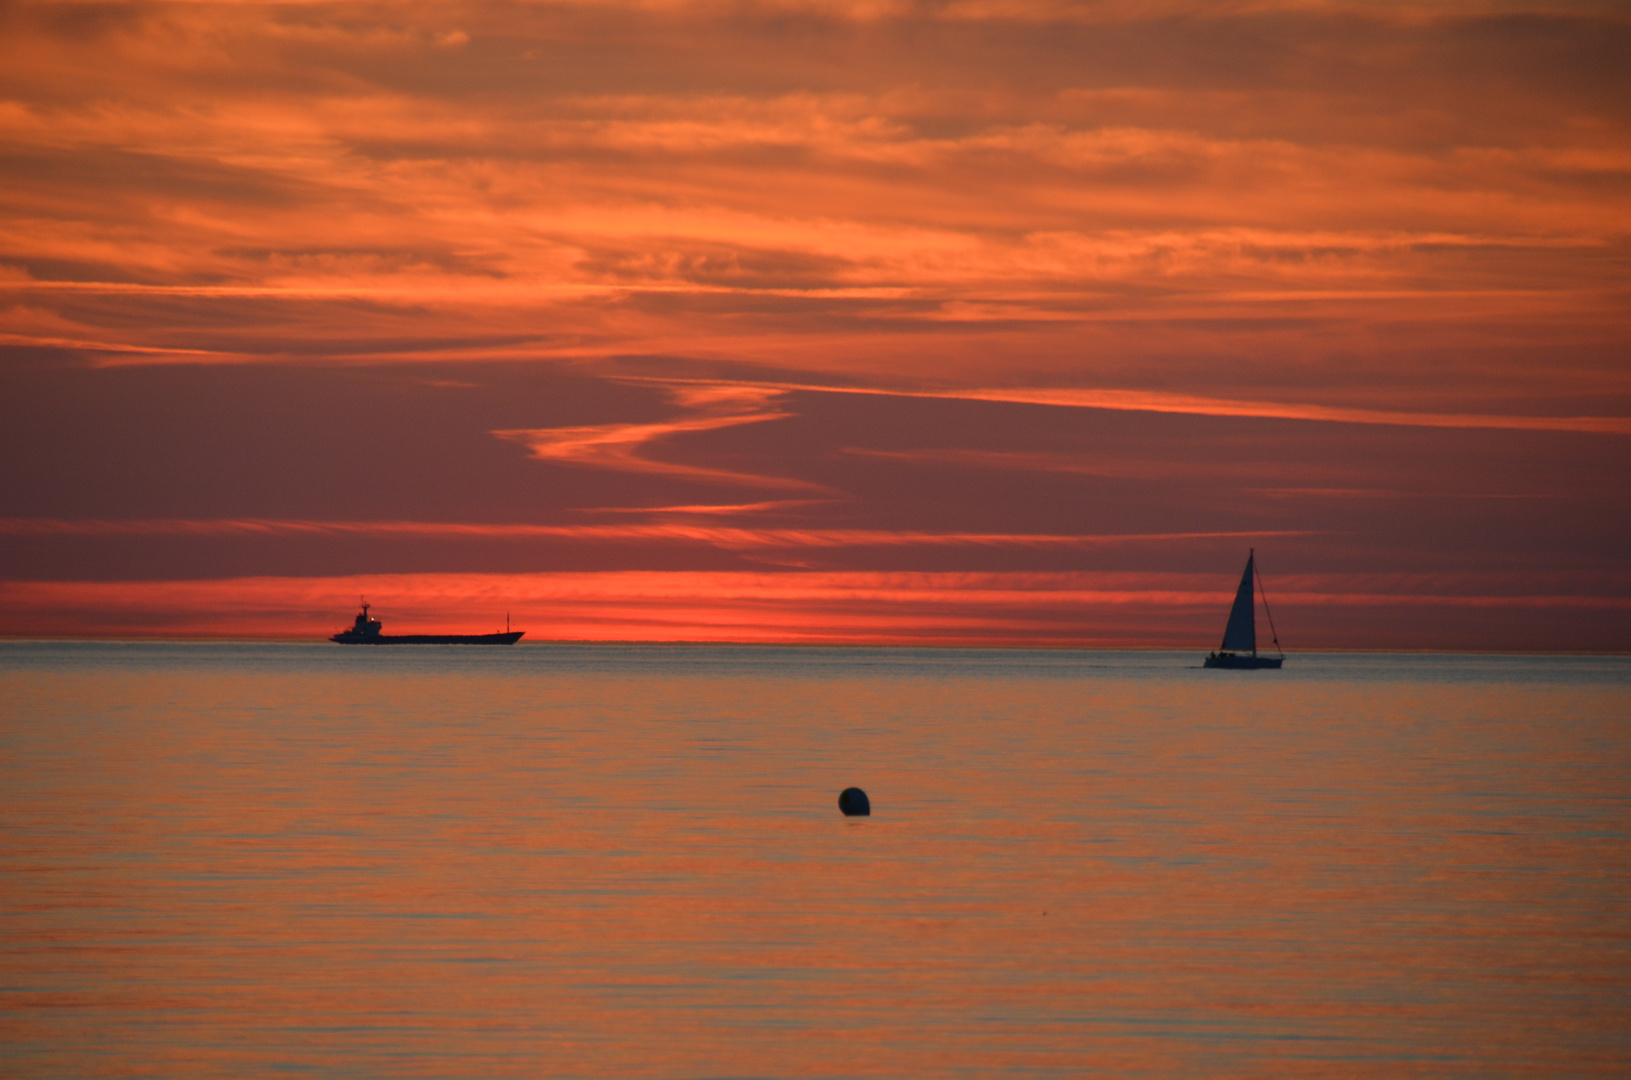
x=1245, y=663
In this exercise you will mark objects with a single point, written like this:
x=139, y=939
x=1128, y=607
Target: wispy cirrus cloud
x=709, y=407
x=724, y=537
x=1155, y=401
x=773, y=506
x=1119, y=400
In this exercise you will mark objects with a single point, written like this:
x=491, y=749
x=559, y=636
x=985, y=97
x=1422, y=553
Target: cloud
x=707, y=509
x=1130, y=467
x=1124, y=194
x=619, y=446
x=1074, y=609
x=1146, y=401
x=1165, y=402
x=1382, y=241
x=727, y=538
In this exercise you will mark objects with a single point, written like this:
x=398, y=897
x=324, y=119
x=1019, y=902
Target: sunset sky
x=976, y=322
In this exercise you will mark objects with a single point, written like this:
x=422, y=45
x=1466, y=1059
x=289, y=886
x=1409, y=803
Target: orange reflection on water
x=580, y=861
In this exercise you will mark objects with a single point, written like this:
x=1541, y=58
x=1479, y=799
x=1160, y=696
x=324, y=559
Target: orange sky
x=564, y=294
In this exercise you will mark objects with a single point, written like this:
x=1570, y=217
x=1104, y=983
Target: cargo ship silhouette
x=366, y=631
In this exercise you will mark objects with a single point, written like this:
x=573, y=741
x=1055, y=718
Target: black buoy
x=853, y=802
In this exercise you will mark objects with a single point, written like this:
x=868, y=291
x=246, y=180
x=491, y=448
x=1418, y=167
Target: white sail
x=1241, y=633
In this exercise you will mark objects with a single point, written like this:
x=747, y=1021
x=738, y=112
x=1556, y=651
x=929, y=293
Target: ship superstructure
x=367, y=631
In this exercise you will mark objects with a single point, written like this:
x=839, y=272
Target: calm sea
x=254, y=860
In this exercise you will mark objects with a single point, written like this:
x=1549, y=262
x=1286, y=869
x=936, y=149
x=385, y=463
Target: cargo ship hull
x=349, y=638
x=366, y=631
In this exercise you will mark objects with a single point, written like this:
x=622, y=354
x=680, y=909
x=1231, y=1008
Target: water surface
x=576, y=861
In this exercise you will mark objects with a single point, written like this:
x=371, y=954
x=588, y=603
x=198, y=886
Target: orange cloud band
x=717, y=536
x=1164, y=402
x=1018, y=609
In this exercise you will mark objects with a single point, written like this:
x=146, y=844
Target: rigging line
x=1264, y=593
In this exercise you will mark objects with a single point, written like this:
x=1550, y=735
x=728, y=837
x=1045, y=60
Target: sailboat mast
x=1251, y=579
x=1275, y=634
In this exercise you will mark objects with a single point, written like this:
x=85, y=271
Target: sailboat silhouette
x=1240, y=635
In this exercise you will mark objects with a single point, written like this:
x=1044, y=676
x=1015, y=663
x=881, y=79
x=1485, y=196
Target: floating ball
x=853, y=802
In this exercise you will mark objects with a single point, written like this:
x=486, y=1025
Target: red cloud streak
x=1056, y=610
x=714, y=535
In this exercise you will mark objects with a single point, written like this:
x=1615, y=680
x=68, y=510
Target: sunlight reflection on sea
x=561, y=860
